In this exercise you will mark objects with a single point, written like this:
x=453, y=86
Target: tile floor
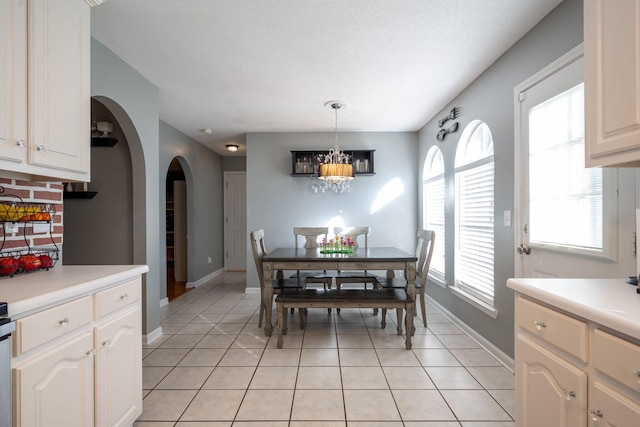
x=213, y=367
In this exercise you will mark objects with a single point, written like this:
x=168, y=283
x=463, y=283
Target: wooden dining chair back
x=354, y=276
x=424, y=252
x=259, y=250
x=311, y=236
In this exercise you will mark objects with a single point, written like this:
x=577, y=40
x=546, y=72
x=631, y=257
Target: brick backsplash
x=32, y=192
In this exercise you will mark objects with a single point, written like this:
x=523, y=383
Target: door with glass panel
x=568, y=218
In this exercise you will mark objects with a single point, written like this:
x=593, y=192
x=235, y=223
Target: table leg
x=409, y=323
x=410, y=275
x=267, y=296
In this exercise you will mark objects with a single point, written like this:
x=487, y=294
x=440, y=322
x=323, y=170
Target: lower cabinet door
x=609, y=408
x=119, y=370
x=56, y=388
x=549, y=390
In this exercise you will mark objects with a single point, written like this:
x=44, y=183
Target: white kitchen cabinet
x=79, y=363
x=612, y=82
x=56, y=387
x=45, y=134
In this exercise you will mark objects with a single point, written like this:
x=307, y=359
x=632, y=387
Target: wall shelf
x=305, y=163
x=79, y=194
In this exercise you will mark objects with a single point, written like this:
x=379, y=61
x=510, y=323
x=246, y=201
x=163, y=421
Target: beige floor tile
x=195, y=329
x=370, y=405
x=280, y=357
x=397, y=357
x=203, y=357
x=165, y=405
x=208, y=318
x=375, y=424
x=452, y=378
x=425, y=341
x=354, y=341
x=436, y=357
x=318, y=405
x=250, y=341
x=216, y=341
x=152, y=375
x=205, y=424
x=236, y=318
x=352, y=328
x=319, y=357
x=241, y=357
x=172, y=328
x=182, y=341
x=229, y=378
x=185, y=378
x=258, y=424
x=457, y=341
x=407, y=378
x=432, y=424
x=266, y=405
x=474, y=405
x=179, y=318
x=228, y=328
x=319, y=341
x=317, y=424
x=445, y=329
x=389, y=341
x=432, y=406
x=475, y=357
x=214, y=405
x=153, y=424
x=493, y=377
x=274, y=377
x=363, y=378
x=506, y=399
x=358, y=357
x=319, y=377
x=289, y=341
x=488, y=424
x=165, y=357
x=437, y=318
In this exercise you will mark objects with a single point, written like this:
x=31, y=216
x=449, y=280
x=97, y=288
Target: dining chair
x=279, y=284
x=311, y=236
x=354, y=276
x=424, y=251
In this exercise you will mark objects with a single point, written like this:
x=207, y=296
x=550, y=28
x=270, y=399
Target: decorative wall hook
x=453, y=114
x=443, y=132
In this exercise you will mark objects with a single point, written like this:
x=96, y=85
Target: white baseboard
x=502, y=357
x=163, y=302
x=154, y=335
x=204, y=279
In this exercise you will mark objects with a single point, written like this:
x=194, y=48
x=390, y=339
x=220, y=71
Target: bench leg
x=409, y=323
x=282, y=322
x=302, y=312
x=383, y=322
x=399, y=320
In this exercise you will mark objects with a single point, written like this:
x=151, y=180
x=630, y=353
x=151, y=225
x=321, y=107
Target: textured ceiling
x=238, y=66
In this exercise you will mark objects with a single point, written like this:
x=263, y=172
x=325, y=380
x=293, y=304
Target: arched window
x=474, y=219
x=433, y=210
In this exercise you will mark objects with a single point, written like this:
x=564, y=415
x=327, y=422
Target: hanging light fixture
x=335, y=169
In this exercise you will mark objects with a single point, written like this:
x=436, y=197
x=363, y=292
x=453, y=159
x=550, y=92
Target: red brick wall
x=32, y=192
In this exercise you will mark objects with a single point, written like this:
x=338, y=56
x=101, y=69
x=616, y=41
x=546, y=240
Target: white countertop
x=608, y=302
x=34, y=291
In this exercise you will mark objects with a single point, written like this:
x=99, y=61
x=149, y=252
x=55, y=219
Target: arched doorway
x=176, y=229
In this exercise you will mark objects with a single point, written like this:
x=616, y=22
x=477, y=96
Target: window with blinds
x=433, y=210
x=474, y=219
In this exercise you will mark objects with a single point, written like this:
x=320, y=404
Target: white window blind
x=433, y=199
x=474, y=177
x=558, y=178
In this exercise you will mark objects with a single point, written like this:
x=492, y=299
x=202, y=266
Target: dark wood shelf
x=103, y=141
x=79, y=194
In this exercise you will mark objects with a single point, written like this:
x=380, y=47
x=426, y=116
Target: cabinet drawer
x=39, y=328
x=610, y=408
x=617, y=358
x=112, y=299
x=563, y=331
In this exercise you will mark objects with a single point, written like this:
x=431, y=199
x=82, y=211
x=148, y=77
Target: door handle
x=523, y=249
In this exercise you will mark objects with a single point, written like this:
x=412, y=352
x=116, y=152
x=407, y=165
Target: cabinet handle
x=636, y=374
x=106, y=343
x=40, y=148
x=124, y=296
x=64, y=322
x=20, y=143
x=539, y=325
x=595, y=414
x=568, y=394
x=91, y=353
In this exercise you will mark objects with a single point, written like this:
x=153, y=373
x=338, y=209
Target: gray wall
x=133, y=101
x=277, y=202
x=490, y=98
x=106, y=221
x=234, y=163
x=205, y=209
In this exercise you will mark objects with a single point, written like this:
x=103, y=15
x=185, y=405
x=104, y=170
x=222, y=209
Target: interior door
x=576, y=234
x=235, y=222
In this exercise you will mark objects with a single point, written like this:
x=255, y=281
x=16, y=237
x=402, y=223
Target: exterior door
x=235, y=221
x=570, y=221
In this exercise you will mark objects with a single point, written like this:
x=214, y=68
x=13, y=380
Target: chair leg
x=262, y=312
x=399, y=320
x=282, y=322
x=422, y=308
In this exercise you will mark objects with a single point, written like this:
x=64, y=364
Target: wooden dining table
x=373, y=258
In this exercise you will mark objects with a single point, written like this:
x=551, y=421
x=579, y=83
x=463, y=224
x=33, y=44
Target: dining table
x=372, y=258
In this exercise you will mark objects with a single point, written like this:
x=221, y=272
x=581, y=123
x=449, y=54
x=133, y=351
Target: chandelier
x=335, y=170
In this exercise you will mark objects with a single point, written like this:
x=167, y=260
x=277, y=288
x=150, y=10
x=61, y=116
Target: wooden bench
x=345, y=298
